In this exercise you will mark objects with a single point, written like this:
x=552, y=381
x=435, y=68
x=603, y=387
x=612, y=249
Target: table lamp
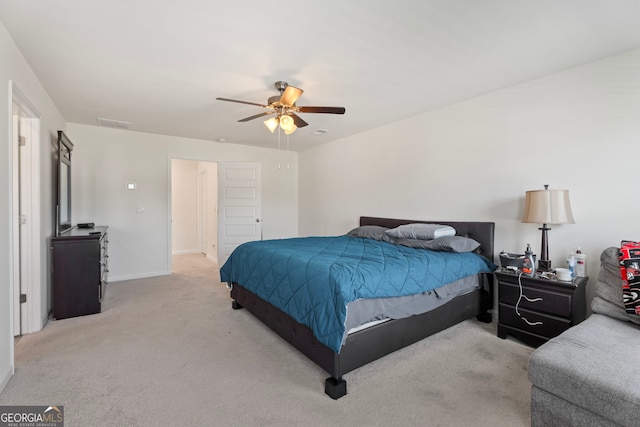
x=547, y=207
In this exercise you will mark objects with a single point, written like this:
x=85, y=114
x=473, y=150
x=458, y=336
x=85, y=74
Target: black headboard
x=481, y=232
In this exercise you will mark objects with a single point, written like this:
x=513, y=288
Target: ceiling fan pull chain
x=288, y=166
x=279, y=145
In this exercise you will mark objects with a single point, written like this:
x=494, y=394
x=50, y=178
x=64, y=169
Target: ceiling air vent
x=113, y=123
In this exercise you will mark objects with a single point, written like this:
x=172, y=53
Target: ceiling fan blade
x=290, y=95
x=241, y=102
x=297, y=120
x=246, y=119
x=326, y=110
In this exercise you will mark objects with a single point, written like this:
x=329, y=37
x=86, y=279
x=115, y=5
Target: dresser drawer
x=537, y=323
x=556, y=303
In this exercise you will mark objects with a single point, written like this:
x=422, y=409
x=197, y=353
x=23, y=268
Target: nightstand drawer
x=558, y=304
x=537, y=323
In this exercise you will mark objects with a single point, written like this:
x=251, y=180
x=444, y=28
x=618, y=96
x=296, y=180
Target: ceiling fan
x=285, y=108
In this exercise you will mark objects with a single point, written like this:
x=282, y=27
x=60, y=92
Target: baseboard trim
x=138, y=276
x=186, y=252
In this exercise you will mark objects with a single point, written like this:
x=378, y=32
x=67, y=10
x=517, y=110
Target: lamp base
x=544, y=265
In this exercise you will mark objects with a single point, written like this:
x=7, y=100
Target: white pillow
x=421, y=231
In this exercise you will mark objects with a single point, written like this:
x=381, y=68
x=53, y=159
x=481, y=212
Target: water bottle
x=571, y=261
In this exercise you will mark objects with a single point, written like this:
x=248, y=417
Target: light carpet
x=170, y=351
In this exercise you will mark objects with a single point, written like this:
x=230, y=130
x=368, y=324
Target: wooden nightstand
x=547, y=307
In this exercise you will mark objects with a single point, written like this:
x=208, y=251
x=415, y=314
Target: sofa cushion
x=608, y=299
x=591, y=365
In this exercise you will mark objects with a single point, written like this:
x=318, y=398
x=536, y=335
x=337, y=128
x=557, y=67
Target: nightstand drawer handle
x=531, y=323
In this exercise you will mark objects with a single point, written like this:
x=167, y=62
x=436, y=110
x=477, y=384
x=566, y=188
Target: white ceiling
x=160, y=64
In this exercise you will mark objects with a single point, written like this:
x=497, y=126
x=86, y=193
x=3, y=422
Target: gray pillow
x=374, y=232
x=421, y=231
x=445, y=244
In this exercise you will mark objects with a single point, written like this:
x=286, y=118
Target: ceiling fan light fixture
x=287, y=124
x=271, y=124
x=290, y=130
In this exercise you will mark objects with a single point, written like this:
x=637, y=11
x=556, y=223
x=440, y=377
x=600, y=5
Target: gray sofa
x=590, y=374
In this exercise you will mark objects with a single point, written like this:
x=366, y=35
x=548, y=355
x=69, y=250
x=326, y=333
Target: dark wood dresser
x=535, y=309
x=79, y=268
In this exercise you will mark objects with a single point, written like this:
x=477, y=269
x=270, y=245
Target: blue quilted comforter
x=314, y=278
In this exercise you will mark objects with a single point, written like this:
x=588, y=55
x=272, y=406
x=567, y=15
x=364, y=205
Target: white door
x=25, y=215
x=19, y=228
x=239, y=195
x=24, y=235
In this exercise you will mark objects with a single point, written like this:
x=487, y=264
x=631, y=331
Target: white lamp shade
x=287, y=124
x=272, y=123
x=548, y=207
x=286, y=120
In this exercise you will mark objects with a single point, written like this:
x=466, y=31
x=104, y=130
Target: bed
x=341, y=350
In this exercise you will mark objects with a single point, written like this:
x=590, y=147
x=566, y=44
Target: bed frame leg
x=335, y=387
x=235, y=305
x=484, y=317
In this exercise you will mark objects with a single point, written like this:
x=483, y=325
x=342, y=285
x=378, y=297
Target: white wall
x=577, y=130
x=13, y=67
x=184, y=204
x=105, y=160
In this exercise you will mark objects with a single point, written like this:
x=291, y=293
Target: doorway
x=194, y=221
x=214, y=207
x=25, y=215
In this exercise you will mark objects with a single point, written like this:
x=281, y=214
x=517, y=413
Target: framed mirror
x=63, y=200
